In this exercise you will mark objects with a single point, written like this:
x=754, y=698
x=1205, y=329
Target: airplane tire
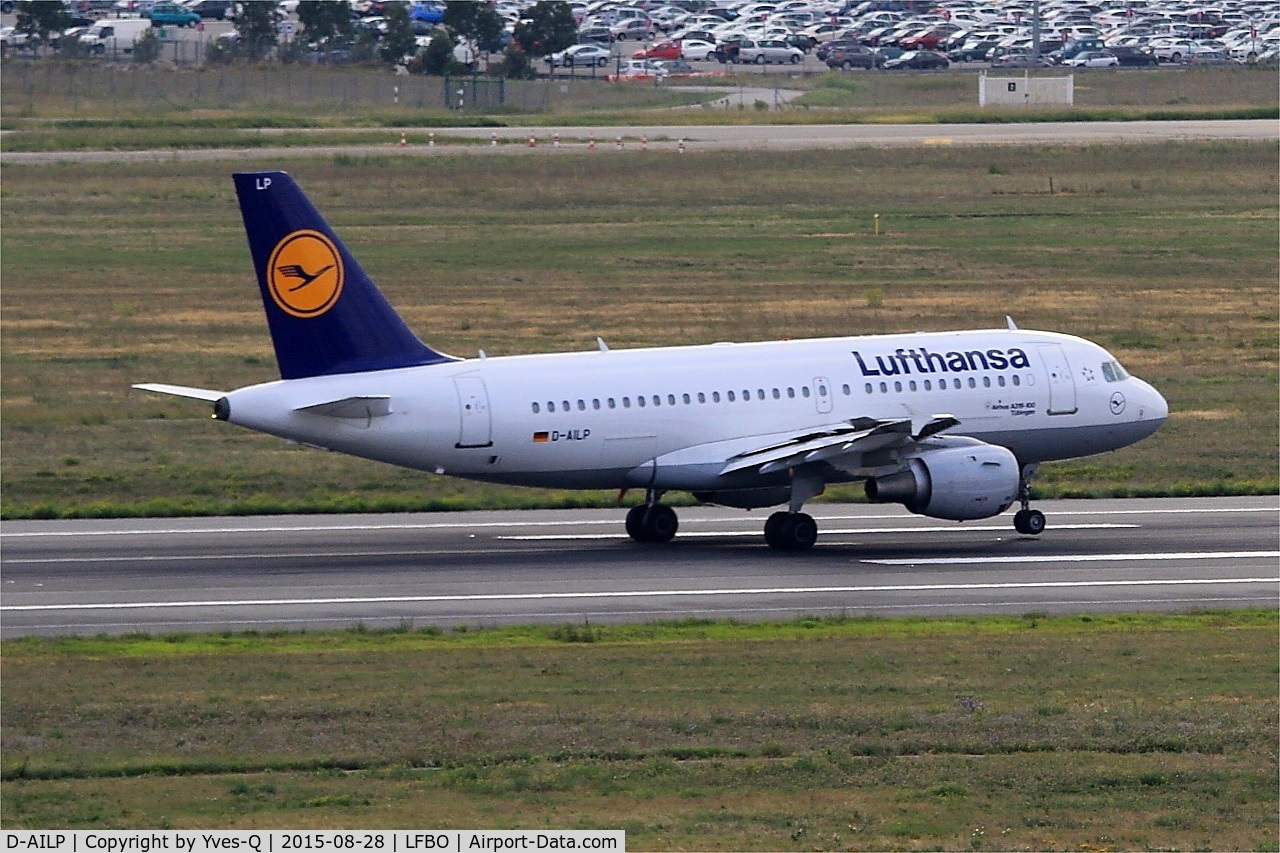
x=786, y=531
x=661, y=523
x=652, y=524
x=1030, y=522
x=635, y=523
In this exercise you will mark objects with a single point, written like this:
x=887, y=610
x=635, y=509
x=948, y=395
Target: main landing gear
x=656, y=523
x=1027, y=521
x=652, y=522
x=790, y=531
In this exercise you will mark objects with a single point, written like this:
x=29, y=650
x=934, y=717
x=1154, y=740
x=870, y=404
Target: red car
x=661, y=50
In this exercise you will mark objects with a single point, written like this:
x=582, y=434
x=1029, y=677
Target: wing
x=841, y=445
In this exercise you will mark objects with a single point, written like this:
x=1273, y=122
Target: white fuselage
x=669, y=418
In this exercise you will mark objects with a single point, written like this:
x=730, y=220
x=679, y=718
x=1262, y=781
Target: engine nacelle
x=747, y=498
x=957, y=483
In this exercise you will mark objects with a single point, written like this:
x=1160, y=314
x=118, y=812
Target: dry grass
x=1165, y=254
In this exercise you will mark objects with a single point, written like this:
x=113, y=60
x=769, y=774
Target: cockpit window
x=1112, y=371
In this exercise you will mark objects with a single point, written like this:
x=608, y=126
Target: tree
x=479, y=22
x=255, y=29
x=147, y=48
x=38, y=18
x=438, y=56
x=549, y=27
x=398, y=41
x=323, y=20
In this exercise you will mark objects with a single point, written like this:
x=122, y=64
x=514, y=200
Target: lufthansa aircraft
x=951, y=425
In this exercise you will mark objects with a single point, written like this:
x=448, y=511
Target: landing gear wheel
x=790, y=531
x=655, y=523
x=1029, y=522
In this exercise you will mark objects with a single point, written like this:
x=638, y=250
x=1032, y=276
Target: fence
x=98, y=88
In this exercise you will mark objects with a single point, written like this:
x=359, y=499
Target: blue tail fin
x=326, y=316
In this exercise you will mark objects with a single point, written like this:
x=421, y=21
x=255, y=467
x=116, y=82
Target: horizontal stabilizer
x=355, y=408
x=182, y=391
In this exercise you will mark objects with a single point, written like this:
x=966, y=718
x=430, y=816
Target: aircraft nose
x=1154, y=407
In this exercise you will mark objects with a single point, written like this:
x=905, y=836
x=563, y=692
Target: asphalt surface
x=603, y=139
x=557, y=567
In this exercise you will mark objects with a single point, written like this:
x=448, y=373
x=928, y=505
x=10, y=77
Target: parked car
x=825, y=48
x=1093, y=59
x=762, y=51
x=920, y=60
x=697, y=50
x=1133, y=56
x=856, y=56
x=595, y=33
x=216, y=9
x=631, y=28
x=114, y=34
x=585, y=55
x=172, y=15
x=669, y=49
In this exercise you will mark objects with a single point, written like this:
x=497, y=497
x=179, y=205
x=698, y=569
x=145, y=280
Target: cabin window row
x=899, y=386
x=641, y=401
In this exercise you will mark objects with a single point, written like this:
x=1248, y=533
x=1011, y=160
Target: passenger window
x=536, y=408
x=657, y=400
x=986, y=382
x=928, y=385
x=551, y=407
x=671, y=399
x=884, y=388
x=973, y=383
x=640, y=401
x=565, y=403
x=868, y=387
x=897, y=386
x=791, y=393
x=847, y=390
x=1000, y=381
x=702, y=397
x=913, y=385
x=759, y=393
x=715, y=396
x=1017, y=380
x=804, y=390
x=582, y=405
x=686, y=399
x=595, y=404
x=777, y=395
x=626, y=402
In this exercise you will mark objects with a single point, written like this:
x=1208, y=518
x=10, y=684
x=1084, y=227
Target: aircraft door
x=476, y=422
x=1062, y=385
x=822, y=394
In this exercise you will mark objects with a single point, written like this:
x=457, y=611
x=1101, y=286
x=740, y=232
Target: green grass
x=1119, y=732
x=1165, y=254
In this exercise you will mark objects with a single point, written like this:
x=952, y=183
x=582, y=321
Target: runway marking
x=1082, y=558
x=464, y=525
x=657, y=593
x=712, y=534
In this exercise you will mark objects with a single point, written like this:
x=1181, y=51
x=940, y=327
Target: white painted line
x=653, y=593
x=713, y=534
x=1082, y=558
x=469, y=525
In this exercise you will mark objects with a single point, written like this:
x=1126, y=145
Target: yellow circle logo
x=304, y=274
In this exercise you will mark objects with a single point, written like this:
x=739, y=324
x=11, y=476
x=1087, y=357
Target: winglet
x=326, y=316
x=1013, y=327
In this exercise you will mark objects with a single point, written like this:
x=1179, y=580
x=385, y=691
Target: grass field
x=126, y=273
x=1082, y=733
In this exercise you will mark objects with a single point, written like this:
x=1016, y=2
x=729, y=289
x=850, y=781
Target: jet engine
x=956, y=483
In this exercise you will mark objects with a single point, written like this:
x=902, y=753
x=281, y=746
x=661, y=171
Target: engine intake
x=956, y=483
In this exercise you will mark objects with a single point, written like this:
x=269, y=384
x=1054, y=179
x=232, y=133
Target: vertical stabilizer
x=325, y=315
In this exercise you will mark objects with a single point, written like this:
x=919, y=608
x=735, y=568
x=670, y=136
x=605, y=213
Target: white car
x=1093, y=59
x=761, y=51
x=697, y=50
x=585, y=55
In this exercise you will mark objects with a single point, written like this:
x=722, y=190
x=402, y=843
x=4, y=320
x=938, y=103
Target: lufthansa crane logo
x=304, y=274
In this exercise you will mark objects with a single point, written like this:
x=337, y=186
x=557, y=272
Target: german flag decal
x=540, y=437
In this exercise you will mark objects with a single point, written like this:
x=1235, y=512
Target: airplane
x=951, y=425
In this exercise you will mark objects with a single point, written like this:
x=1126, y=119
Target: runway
x=489, y=568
